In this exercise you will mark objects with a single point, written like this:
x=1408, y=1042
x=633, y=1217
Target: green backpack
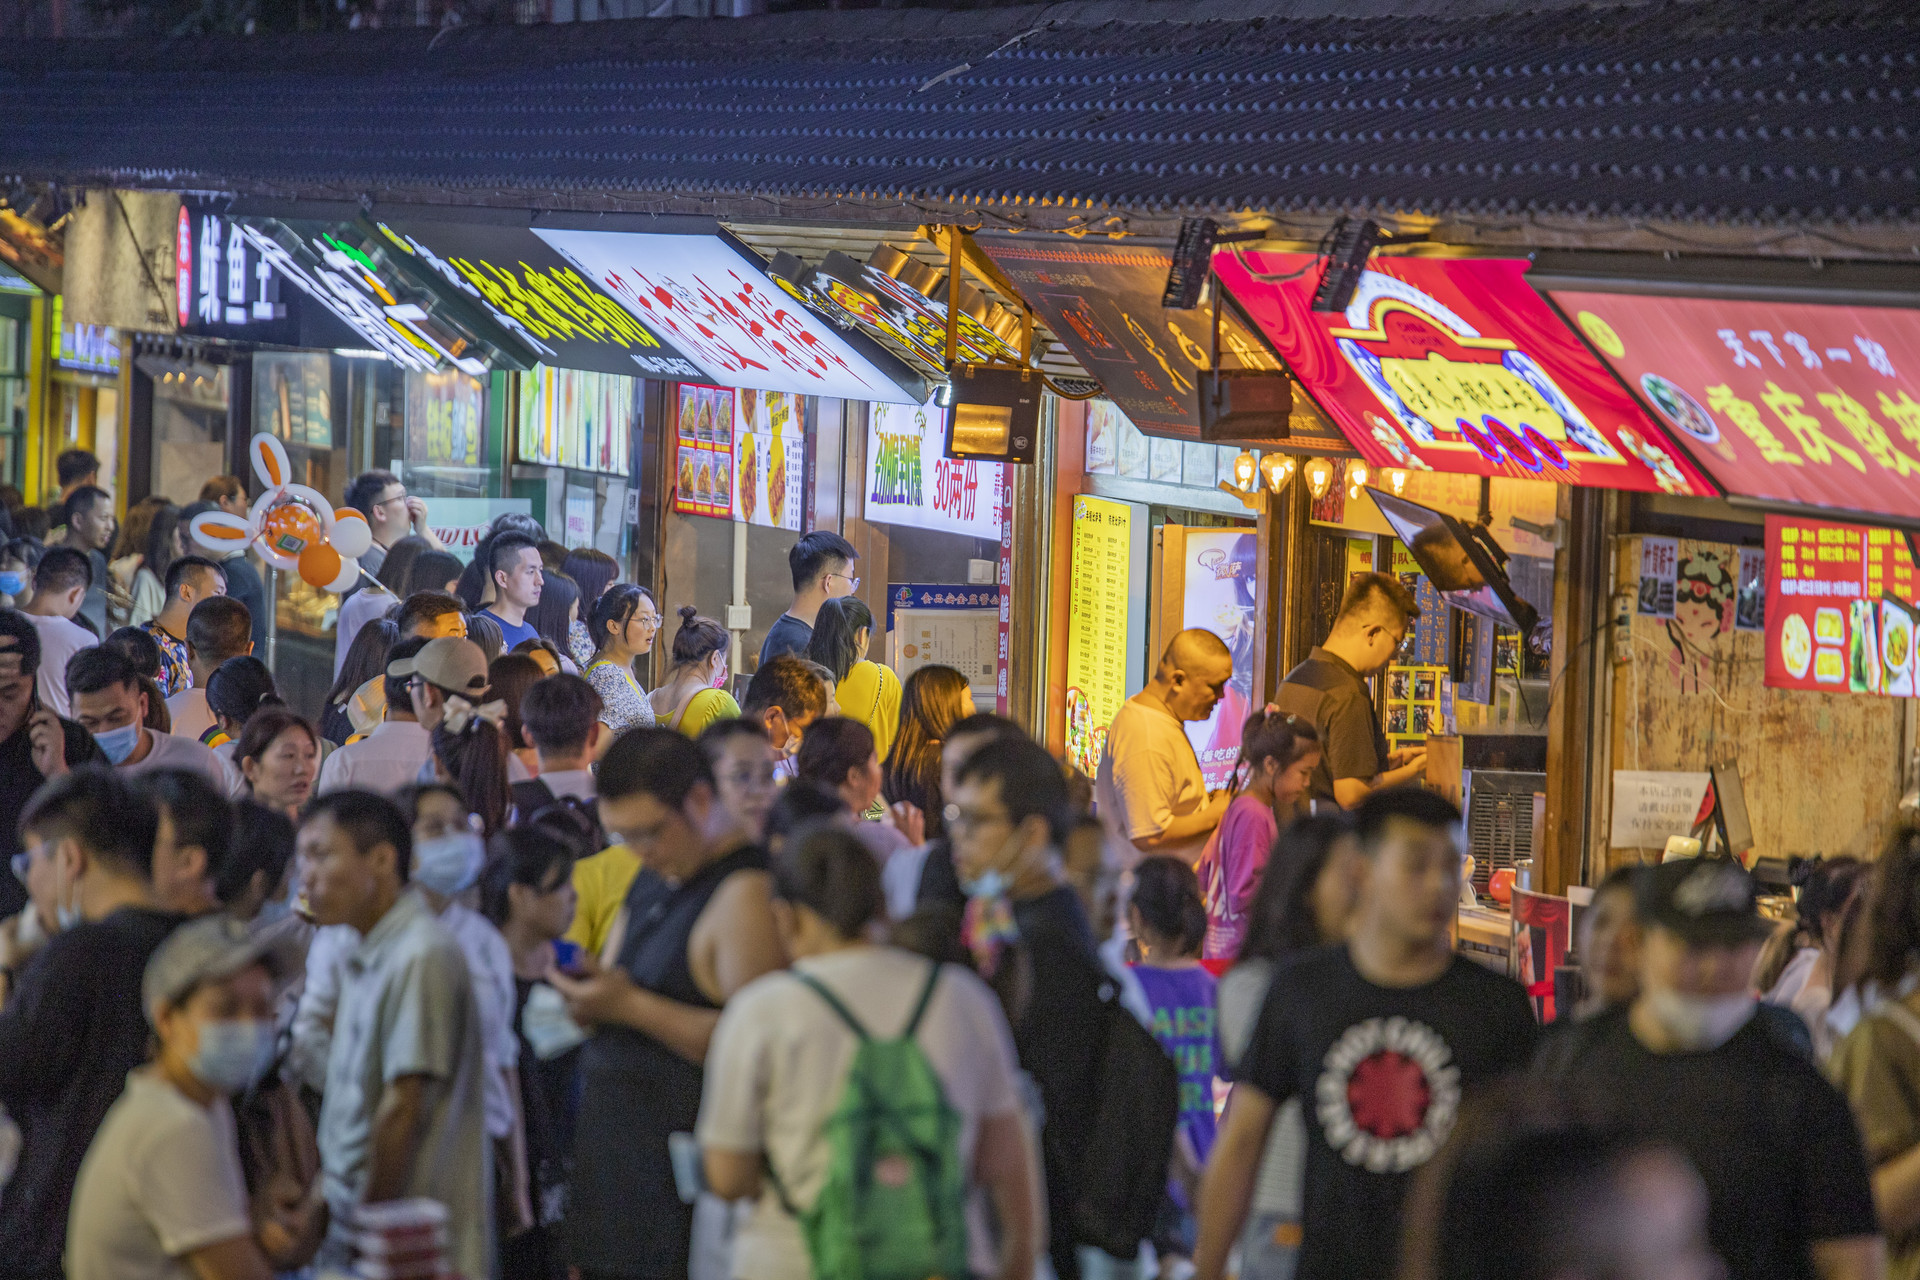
x=894, y=1206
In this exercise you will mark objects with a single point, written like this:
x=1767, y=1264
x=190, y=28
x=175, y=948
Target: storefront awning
x=1103, y=301
x=1455, y=364
x=1781, y=401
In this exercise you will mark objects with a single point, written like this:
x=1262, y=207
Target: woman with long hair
x=866, y=691
x=140, y=560
x=593, y=571
x=553, y=616
x=279, y=756
x=377, y=598
x=624, y=622
x=432, y=571
x=838, y=753
x=1797, y=967
x=237, y=688
x=470, y=753
x=366, y=658
x=694, y=693
x=508, y=679
x=1305, y=900
x=932, y=701
x=1278, y=754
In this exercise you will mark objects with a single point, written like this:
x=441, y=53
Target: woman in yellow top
x=694, y=693
x=867, y=691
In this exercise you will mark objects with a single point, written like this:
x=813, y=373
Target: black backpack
x=572, y=820
x=1124, y=1170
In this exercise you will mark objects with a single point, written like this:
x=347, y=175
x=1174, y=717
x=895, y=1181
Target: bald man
x=1329, y=691
x=1153, y=797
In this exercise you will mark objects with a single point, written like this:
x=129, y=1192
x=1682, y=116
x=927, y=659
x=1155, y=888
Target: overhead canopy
x=1103, y=302
x=1455, y=364
x=1781, y=401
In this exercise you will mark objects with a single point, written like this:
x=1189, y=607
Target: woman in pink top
x=1278, y=753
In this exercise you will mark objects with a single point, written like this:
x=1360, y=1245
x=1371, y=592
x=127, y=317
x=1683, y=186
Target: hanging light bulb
x=1277, y=468
x=1319, y=473
x=1356, y=479
x=1243, y=471
x=1398, y=479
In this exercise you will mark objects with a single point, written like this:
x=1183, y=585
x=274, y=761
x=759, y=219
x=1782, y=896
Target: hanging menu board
x=1840, y=608
x=771, y=452
x=703, y=470
x=1101, y=632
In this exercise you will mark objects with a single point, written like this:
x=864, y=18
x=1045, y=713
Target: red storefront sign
x=1840, y=615
x=1455, y=364
x=1795, y=402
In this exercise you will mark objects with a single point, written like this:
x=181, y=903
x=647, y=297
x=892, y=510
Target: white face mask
x=1699, y=1023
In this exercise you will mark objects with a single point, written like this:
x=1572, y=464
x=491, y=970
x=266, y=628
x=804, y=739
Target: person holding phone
x=31, y=737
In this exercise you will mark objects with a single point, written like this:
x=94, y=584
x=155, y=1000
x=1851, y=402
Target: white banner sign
x=911, y=481
x=1649, y=807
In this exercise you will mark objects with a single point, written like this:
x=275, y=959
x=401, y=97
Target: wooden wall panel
x=1821, y=772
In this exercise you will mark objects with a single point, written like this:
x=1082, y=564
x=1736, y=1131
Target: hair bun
x=688, y=613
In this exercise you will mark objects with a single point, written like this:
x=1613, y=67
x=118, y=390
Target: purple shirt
x=1230, y=871
x=1184, y=1024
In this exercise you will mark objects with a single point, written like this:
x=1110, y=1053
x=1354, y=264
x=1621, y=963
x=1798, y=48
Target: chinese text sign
x=1839, y=613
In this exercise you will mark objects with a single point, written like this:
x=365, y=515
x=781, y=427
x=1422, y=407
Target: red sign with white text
x=1840, y=615
x=1455, y=364
x=1792, y=401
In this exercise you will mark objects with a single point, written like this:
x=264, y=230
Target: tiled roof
x=1714, y=109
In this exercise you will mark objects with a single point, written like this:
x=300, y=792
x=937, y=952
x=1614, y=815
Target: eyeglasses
x=853, y=583
x=648, y=620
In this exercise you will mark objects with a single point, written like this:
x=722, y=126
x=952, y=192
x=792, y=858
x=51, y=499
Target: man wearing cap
x=391, y=756
x=403, y=1113
x=161, y=1192
x=1687, y=1062
x=75, y=1026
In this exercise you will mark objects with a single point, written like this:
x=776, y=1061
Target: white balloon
x=349, y=574
x=350, y=536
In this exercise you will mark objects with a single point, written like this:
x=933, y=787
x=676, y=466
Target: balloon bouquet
x=292, y=526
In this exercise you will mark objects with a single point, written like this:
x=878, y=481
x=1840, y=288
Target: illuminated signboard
x=560, y=317
x=1103, y=303
x=223, y=286
x=1840, y=608
x=1455, y=364
x=446, y=420
x=577, y=418
x=911, y=481
x=891, y=301
x=714, y=303
x=1794, y=402
x=1104, y=625
x=88, y=348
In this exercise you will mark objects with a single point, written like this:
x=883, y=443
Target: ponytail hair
x=1167, y=894
x=1278, y=736
x=827, y=870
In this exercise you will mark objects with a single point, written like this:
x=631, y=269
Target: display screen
x=714, y=303
x=1788, y=401
x=1455, y=364
x=1840, y=608
x=1459, y=569
x=575, y=418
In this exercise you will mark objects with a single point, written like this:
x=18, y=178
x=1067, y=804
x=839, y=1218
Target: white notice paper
x=1648, y=807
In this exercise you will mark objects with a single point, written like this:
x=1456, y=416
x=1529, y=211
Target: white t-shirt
x=360, y=608
x=384, y=761
x=161, y=1180
x=171, y=751
x=60, y=639
x=191, y=717
x=491, y=966
x=1148, y=776
x=778, y=1066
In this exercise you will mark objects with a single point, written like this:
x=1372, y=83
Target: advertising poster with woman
x=1221, y=569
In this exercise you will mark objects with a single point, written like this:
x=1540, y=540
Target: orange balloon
x=291, y=528
x=319, y=565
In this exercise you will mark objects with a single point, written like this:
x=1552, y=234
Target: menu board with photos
x=446, y=419
x=1840, y=608
x=703, y=468
x=771, y=449
x=576, y=418
x=1099, y=626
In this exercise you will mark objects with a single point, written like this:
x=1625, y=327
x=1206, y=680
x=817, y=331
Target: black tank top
x=626, y=1217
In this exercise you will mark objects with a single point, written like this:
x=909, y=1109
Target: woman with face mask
x=449, y=853
x=694, y=693
x=161, y=1191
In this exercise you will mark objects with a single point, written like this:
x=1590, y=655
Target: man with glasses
x=391, y=514
x=1329, y=691
x=822, y=564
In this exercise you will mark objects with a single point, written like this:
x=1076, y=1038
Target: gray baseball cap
x=450, y=663
x=210, y=949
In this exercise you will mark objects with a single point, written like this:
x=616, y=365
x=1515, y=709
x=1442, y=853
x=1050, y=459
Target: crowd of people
x=848, y=977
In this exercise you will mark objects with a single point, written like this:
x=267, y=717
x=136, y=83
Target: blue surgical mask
x=449, y=864
x=12, y=583
x=233, y=1054
x=119, y=743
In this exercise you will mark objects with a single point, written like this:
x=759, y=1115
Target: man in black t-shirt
x=28, y=736
x=1687, y=1062
x=1329, y=691
x=1378, y=1039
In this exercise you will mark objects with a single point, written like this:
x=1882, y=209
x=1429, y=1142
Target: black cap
x=1712, y=901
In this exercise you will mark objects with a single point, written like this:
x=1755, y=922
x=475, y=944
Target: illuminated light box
x=713, y=300
x=559, y=315
x=1781, y=401
x=1840, y=608
x=1455, y=364
x=910, y=480
x=904, y=299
